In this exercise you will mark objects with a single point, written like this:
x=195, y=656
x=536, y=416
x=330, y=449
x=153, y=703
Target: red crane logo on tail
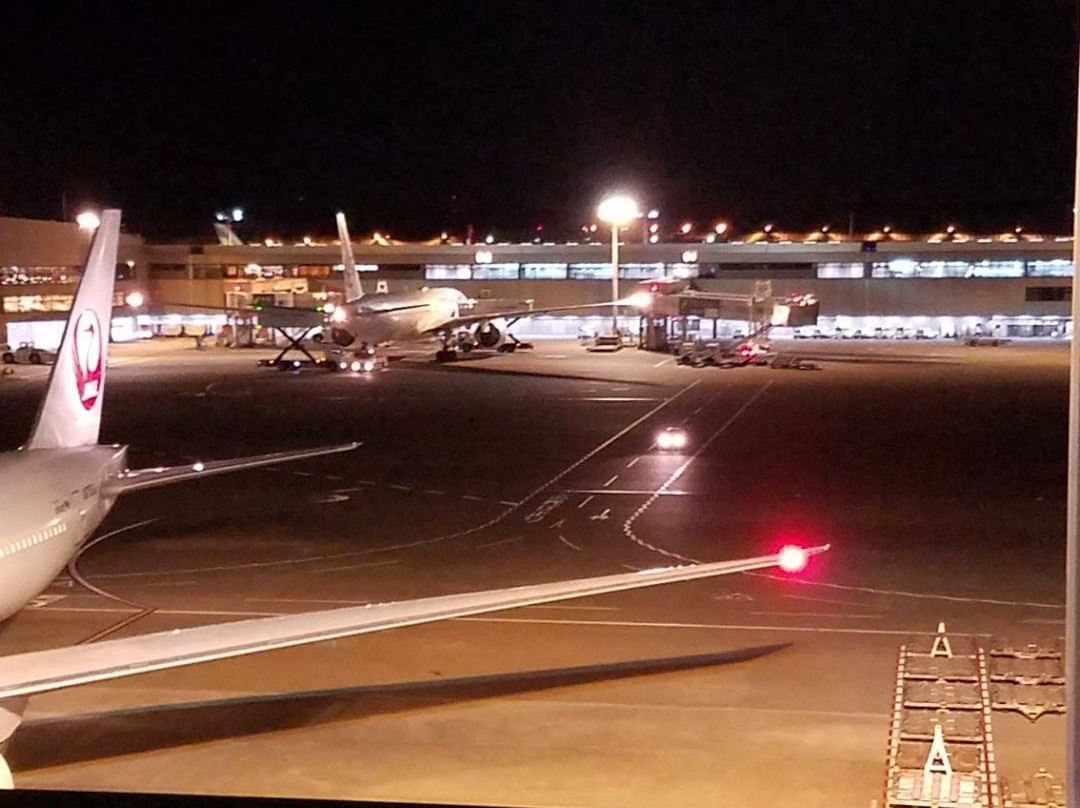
x=86, y=350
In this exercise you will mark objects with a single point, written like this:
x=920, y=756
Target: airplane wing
x=163, y=475
x=58, y=668
x=513, y=314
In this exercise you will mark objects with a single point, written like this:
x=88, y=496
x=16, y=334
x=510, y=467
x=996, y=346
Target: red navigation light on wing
x=792, y=558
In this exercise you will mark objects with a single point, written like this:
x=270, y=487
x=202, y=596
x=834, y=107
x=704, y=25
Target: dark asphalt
x=936, y=471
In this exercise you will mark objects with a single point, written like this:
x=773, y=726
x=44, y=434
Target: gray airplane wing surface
x=162, y=475
x=58, y=668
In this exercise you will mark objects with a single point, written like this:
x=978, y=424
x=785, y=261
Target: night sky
x=417, y=117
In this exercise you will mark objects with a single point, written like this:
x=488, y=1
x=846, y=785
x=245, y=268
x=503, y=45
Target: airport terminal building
x=1014, y=285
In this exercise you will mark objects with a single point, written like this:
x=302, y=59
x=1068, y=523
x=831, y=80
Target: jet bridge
x=669, y=318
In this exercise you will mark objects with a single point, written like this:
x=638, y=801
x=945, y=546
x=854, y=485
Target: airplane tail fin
x=353, y=289
x=70, y=414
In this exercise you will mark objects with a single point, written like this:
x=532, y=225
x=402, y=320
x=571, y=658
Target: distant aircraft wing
x=514, y=314
x=163, y=475
x=55, y=669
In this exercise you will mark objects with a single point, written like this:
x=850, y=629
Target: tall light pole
x=1072, y=527
x=618, y=211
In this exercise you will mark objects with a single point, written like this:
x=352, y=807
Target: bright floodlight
x=87, y=220
x=356, y=366
x=238, y=214
x=792, y=558
x=618, y=210
x=135, y=299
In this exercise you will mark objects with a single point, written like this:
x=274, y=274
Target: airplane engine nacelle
x=491, y=333
x=341, y=337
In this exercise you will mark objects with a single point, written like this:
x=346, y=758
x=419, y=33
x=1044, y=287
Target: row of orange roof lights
x=720, y=233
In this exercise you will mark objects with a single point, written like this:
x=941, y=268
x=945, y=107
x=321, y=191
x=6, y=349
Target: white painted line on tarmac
x=303, y=474
x=568, y=543
x=500, y=541
x=633, y=462
x=346, y=490
x=357, y=566
x=609, y=482
x=400, y=487
x=1043, y=621
x=663, y=362
x=612, y=399
x=508, y=502
x=822, y=614
x=637, y=492
x=900, y=592
x=714, y=626
x=330, y=601
x=585, y=501
x=829, y=600
x=470, y=496
x=556, y=606
x=433, y=491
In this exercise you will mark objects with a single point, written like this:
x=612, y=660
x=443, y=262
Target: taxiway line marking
x=307, y=600
x=628, y=525
x=500, y=541
x=633, y=462
x=821, y=614
x=829, y=600
x=358, y=566
x=609, y=482
x=632, y=491
x=434, y=540
x=611, y=399
x=903, y=593
x=138, y=612
x=556, y=606
x=568, y=543
x=906, y=632
x=585, y=501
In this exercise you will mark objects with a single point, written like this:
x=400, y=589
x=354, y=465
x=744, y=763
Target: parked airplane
x=366, y=321
x=56, y=489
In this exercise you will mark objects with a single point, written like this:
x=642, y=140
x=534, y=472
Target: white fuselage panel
x=51, y=500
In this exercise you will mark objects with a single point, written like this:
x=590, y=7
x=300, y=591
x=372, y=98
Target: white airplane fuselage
x=51, y=501
x=397, y=317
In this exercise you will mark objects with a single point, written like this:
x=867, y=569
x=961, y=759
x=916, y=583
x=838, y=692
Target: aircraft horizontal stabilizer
x=163, y=475
x=58, y=668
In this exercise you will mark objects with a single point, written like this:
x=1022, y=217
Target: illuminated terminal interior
x=884, y=285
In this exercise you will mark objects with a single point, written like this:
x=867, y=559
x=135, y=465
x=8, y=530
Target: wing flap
x=164, y=475
x=55, y=669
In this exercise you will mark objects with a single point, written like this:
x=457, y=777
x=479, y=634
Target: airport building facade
x=1012, y=286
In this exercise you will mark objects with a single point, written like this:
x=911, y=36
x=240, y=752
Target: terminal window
x=1034, y=294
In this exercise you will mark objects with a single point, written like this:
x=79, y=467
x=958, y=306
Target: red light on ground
x=792, y=558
